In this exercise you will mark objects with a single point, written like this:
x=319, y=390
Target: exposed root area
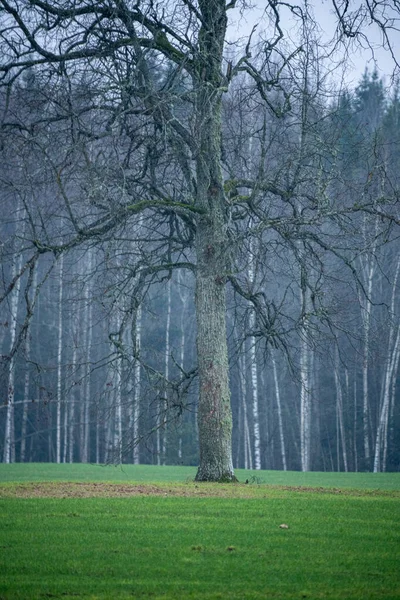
x=196, y=489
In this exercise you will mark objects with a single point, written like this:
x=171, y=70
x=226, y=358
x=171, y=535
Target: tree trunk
x=368, y=267
x=392, y=353
x=305, y=383
x=9, y=450
x=59, y=358
x=382, y=428
x=137, y=384
x=27, y=380
x=279, y=407
x=183, y=316
x=215, y=420
x=214, y=413
x=88, y=312
x=164, y=407
x=74, y=394
x=247, y=454
x=391, y=424
x=341, y=436
x=118, y=437
x=253, y=368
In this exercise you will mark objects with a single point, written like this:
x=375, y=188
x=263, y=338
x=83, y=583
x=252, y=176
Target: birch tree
x=60, y=330
x=9, y=435
x=392, y=360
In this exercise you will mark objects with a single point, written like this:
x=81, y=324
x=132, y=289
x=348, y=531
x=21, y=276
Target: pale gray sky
x=357, y=59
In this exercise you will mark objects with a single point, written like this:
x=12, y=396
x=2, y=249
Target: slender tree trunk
x=88, y=311
x=59, y=359
x=305, y=408
x=355, y=422
x=368, y=270
x=108, y=433
x=137, y=384
x=27, y=380
x=254, y=400
x=245, y=429
x=9, y=450
x=164, y=407
x=305, y=381
x=279, y=407
x=118, y=439
x=393, y=351
x=183, y=316
x=341, y=435
x=365, y=369
x=73, y=400
x=65, y=433
x=254, y=371
x=25, y=408
x=390, y=434
x=382, y=428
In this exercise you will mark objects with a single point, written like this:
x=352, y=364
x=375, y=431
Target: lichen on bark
x=214, y=413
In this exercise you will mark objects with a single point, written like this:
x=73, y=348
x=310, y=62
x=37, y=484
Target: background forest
x=98, y=345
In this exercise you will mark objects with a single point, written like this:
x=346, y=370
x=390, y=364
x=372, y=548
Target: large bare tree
x=152, y=77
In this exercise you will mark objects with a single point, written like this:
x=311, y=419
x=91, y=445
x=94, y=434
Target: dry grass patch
x=127, y=490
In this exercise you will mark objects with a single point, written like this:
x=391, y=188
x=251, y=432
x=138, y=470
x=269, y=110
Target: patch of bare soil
x=80, y=490
x=117, y=490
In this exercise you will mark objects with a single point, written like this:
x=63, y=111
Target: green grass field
x=176, y=539
x=145, y=473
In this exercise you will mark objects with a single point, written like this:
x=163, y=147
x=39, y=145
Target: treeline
x=98, y=344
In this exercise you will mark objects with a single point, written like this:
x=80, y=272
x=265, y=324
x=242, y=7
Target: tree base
x=215, y=477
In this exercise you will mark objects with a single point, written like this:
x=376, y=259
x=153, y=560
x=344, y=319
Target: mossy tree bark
x=214, y=416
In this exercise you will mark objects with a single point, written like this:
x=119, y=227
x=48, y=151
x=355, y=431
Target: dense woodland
x=97, y=319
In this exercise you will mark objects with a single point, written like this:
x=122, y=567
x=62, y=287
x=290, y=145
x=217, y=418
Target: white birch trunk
x=182, y=366
x=393, y=351
x=339, y=411
x=26, y=396
x=385, y=405
x=87, y=387
x=183, y=299
x=305, y=382
x=118, y=440
x=65, y=432
x=9, y=450
x=247, y=450
x=254, y=369
x=368, y=268
x=137, y=383
x=182, y=348
x=108, y=435
x=88, y=311
x=365, y=369
x=74, y=398
x=355, y=423
x=279, y=407
x=305, y=407
x=389, y=434
x=59, y=359
x=164, y=406
x=254, y=396
x=27, y=381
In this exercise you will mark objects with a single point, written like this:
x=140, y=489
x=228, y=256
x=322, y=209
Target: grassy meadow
x=82, y=531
